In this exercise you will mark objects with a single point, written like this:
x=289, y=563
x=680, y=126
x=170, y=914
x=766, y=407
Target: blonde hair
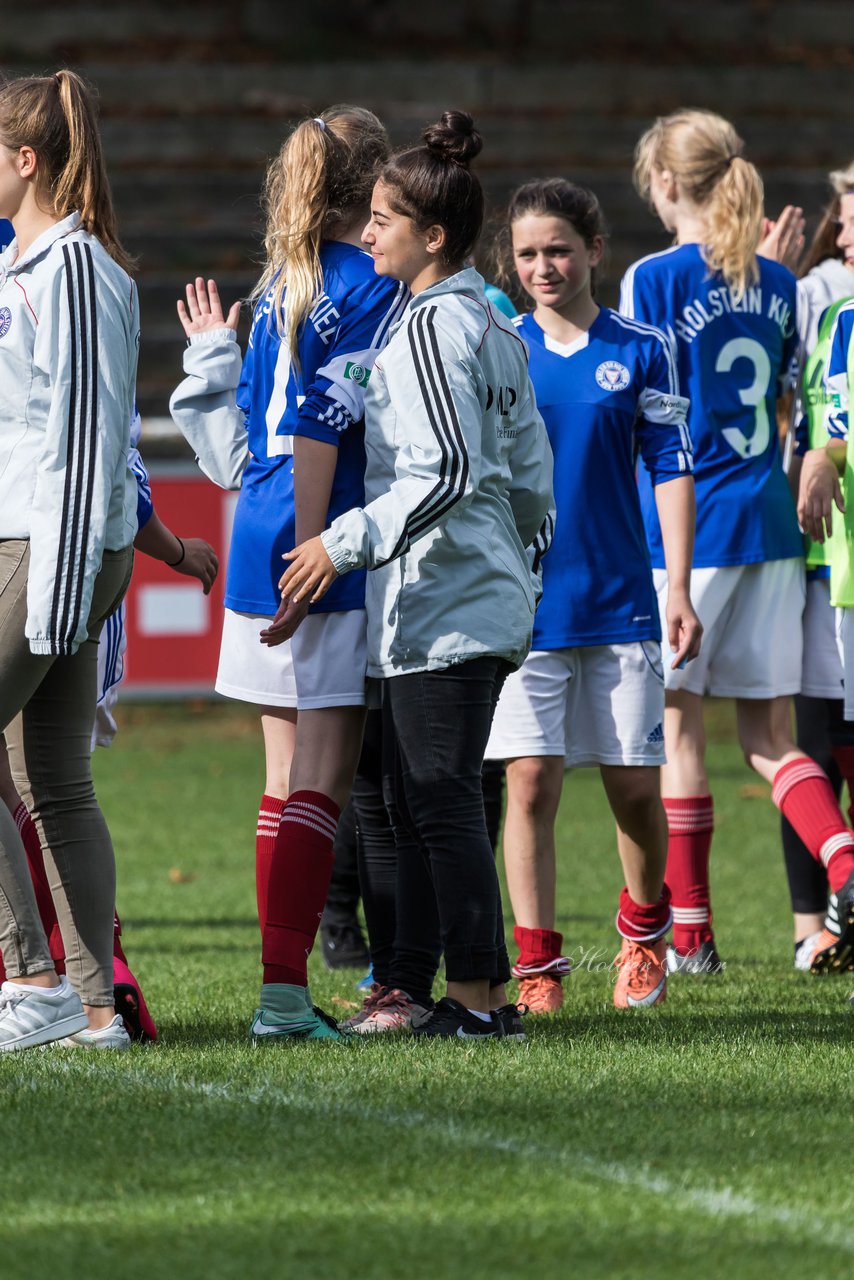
x=842, y=180
x=56, y=116
x=705, y=155
x=321, y=179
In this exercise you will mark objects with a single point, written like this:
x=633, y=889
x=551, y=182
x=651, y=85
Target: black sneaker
x=344, y=947
x=451, y=1019
x=509, y=1018
x=704, y=959
x=834, y=951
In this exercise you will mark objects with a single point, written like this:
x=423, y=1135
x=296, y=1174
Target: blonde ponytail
x=703, y=152
x=321, y=179
x=55, y=115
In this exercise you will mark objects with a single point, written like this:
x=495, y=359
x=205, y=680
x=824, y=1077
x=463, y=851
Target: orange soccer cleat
x=642, y=980
x=541, y=992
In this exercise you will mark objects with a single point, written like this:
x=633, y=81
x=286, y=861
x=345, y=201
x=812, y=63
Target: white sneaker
x=112, y=1036
x=37, y=1015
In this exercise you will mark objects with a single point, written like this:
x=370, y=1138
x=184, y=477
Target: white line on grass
x=722, y=1202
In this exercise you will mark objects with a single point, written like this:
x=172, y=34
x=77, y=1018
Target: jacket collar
x=466, y=281
x=40, y=245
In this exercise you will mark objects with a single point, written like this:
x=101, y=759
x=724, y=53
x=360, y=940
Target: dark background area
x=196, y=97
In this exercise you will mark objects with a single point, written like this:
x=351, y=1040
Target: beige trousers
x=47, y=706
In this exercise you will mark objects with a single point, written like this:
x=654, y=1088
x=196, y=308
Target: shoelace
x=393, y=998
x=329, y=1020
x=640, y=960
x=9, y=999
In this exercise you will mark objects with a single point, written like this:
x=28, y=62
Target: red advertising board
x=173, y=628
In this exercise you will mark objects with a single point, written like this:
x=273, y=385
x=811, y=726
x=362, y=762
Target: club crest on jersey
x=612, y=376
x=5, y=321
x=357, y=373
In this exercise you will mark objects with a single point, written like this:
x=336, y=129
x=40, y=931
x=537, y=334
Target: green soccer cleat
x=287, y=1013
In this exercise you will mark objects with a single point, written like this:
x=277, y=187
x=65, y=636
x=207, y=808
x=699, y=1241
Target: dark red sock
x=844, y=757
x=269, y=816
x=299, y=882
x=539, y=952
x=644, y=922
x=690, y=826
x=38, y=875
x=804, y=795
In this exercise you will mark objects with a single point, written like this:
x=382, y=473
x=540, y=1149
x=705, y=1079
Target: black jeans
x=441, y=722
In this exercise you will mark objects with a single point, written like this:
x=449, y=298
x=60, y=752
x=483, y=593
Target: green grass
x=697, y=1139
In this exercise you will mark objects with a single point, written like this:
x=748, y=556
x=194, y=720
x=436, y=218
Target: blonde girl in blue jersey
x=591, y=691
x=285, y=426
x=69, y=334
x=731, y=316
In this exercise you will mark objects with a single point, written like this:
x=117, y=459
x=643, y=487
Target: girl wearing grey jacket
x=458, y=485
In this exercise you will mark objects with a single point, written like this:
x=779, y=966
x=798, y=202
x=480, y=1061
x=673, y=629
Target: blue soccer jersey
x=734, y=358
x=836, y=377
x=602, y=398
x=322, y=399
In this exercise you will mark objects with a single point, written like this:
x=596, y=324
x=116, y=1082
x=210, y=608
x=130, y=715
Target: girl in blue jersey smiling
x=591, y=692
x=285, y=426
x=731, y=318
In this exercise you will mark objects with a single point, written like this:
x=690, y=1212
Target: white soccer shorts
x=602, y=704
x=752, y=631
x=322, y=665
x=822, y=675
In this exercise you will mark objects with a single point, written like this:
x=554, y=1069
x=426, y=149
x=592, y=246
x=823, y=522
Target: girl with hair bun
x=69, y=334
x=285, y=427
x=731, y=316
x=591, y=691
x=458, y=486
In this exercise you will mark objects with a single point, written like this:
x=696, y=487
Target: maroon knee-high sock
x=299, y=882
x=690, y=824
x=804, y=794
x=269, y=817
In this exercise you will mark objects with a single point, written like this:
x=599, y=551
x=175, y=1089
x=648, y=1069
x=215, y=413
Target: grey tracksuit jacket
x=458, y=485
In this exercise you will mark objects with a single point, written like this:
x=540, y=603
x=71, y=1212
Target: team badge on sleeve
x=612, y=376
x=5, y=321
x=357, y=373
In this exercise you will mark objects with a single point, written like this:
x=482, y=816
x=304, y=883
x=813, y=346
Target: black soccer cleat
x=704, y=959
x=344, y=947
x=451, y=1020
x=834, y=952
x=509, y=1018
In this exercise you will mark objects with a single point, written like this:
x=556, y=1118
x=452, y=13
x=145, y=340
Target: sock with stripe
x=299, y=882
x=804, y=795
x=539, y=952
x=690, y=826
x=269, y=816
x=644, y=921
x=844, y=757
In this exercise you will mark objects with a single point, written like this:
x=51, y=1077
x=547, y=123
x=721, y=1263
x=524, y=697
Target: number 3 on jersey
x=753, y=397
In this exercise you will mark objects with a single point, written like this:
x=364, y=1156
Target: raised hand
x=203, y=309
x=783, y=240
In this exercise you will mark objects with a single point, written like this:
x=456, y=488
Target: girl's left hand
x=684, y=629
x=311, y=573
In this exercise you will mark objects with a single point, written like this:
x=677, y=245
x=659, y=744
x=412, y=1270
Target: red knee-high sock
x=299, y=882
x=644, y=922
x=803, y=793
x=38, y=875
x=690, y=825
x=844, y=757
x=539, y=952
x=269, y=816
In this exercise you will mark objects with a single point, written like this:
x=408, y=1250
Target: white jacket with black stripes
x=69, y=337
x=458, y=485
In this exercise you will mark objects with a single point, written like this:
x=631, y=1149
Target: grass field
x=699, y=1139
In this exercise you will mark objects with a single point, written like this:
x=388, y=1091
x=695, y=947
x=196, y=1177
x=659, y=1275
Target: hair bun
x=454, y=137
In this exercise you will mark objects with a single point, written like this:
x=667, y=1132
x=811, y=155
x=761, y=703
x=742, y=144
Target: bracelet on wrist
x=173, y=564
